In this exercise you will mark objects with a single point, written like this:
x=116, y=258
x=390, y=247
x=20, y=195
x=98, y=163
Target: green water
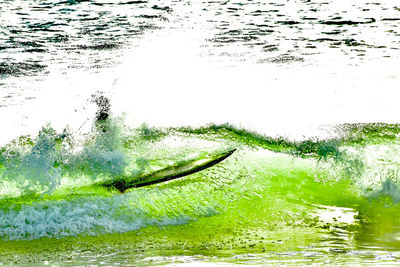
x=274, y=201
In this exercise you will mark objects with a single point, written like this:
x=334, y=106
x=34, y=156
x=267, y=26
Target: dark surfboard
x=169, y=173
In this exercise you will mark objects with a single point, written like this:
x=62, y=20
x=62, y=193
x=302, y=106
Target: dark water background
x=36, y=34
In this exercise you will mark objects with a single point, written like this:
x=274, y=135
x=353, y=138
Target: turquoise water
x=273, y=201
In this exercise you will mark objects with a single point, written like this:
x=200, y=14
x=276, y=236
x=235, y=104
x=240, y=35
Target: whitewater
x=305, y=91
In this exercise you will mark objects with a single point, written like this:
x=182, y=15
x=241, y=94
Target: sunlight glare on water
x=169, y=78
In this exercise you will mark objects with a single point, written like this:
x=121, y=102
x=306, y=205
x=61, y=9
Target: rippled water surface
x=36, y=34
x=329, y=56
x=267, y=68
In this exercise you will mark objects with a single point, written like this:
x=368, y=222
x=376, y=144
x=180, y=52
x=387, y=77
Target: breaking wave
x=50, y=182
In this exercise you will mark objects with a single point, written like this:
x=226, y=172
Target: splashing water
x=315, y=188
x=274, y=67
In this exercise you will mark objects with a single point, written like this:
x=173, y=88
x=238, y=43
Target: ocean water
x=305, y=91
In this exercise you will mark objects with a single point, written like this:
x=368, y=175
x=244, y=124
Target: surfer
x=103, y=110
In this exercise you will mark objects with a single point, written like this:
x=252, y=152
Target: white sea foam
x=88, y=216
